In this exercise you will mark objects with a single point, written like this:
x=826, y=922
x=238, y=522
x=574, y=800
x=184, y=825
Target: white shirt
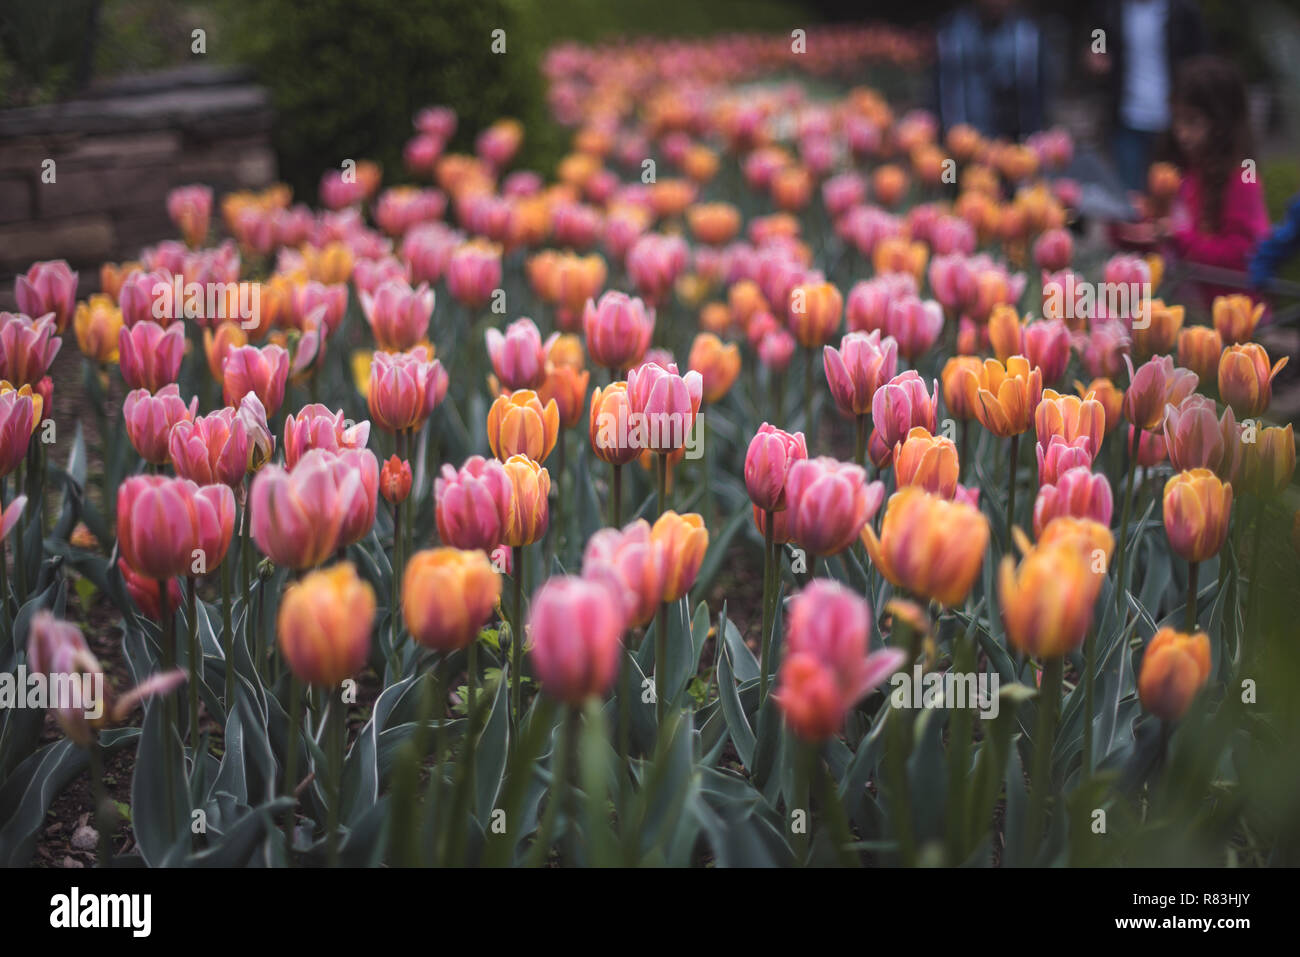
x=1144, y=104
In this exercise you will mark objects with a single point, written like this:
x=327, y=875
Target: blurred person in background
x=1144, y=43
x=990, y=70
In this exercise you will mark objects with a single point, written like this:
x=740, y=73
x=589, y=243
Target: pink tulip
x=1054, y=249
x=1059, y=456
x=776, y=349
x=664, y=403
x=190, y=209
x=519, y=357
x=405, y=388
x=1047, y=345
x=954, y=282
x=27, y=347
x=1197, y=438
x=262, y=371
x=867, y=307
x=915, y=324
x=472, y=504
x=618, y=330
x=312, y=295
x=632, y=564
x=398, y=315
x=48, y=287
x=142, y=298
x=428, y=249
x=1151, y=448
x=149, y=355
x=316, y=427
x=473, y=272
x=771, y=454
x=300, y=517
x=168, y=527
x=828, y=502
x=150, y=418
x=1078, y=493
x=654, y=262
x=862, y=364
x=17, y=419
x=900, y=405
x=211, y=450
x=1155, y=384
x=576, y=627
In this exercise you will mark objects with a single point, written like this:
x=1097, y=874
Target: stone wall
x=116, y=153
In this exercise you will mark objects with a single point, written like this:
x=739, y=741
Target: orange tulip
x=815, y=312
x=684, y=540
x=324, y=625
x=1070, y=417
x=954, y=393
x=1047, y=601
x=1199, y=349
x=1235, y=317
x=1245, y=379
x=96, y=323
x=447, y=595
x=930, y=546
x=518, y=424
x=717, y=363
x=529, y=509
x=1175, y=666
x=1109, y=395
x=713, y=223
x=929, y=461
x=1197, y=506
x=1160, y=333
x=610, y=429
x=1004, y=397
x=566, y=387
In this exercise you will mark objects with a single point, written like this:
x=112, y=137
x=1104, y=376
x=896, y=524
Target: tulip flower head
x=447, y=596
x=828, y=503
x=324, y=624
x=932, y=547
x=1197, y=506
x=575, y=626
x=633, y=563
x=1175, y=666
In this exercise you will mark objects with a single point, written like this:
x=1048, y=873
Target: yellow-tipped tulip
x=684, y=540
x=928, y=461
x=1269, y=462
x=529, y=511
x=518, y=424
x=1175, y=666
x=97, y=322
x=930, y=546
x=1246, y=380
x=1004, y=397
x=1047, y=601
x=1196, y=507
x=1235, y=317
x=447, y=595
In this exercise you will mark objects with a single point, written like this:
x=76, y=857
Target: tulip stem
x=191, y=612
x=807, y=391
x=227, y=639
x=1011, y=488
x=805, y=761
x=105, y=818
x=517, y=638
x=1049, y=705
x=559, y=787
x=1089, y=689
x=471, y=710
x=1192, y=570
x=558, y=525
x=616, y=497
x=769, y=600
x=394, y=660
x=20, y=567
x=4, y=592
x=661, y=656
x=167, y=616
x=291, y=763
x=335, y=719
x=1252, y=590
x=860, y=449
x=662, y=463
x=1128, y=511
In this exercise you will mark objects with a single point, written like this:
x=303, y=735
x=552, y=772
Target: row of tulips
x=386, y=574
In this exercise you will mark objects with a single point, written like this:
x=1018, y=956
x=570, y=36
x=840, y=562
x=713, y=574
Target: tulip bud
x=1197, y=506
x=683, y=539
x=862, y=364
x=447, y=596
x=717, y=364
x=664, y=404
x=1154, y=385
x=1235, y=318
x=395, y=480
x=1076, y=492
x=528, y=511
x=324, y=625
x=1269, y=462
x=48, y=288
x=405, y=388
x=771, y=454
x=262, y=371
x=1199, y=349
x=576, y=627
x=97, y=323
x=815, y=311
x=519, y=356
x=954, y=395
x=1175, y=666
x=149, y=420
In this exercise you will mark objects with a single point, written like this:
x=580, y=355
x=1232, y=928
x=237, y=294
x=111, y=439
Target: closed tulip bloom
x=518, y=424
x=1047, y=601
x=664, y=404
x=149, y=420
x=473, y=504
x=927, y=460
x=1151, y=448
x=1058, y=456
x=566, y=386
x=930, y=546
x=683, y=539
x=398, y=314
x=150, y=356
x=97, y=323
x=1077, y=492
x=210, y=450
x=869, y=302
x=1108, y=394
x=323, y=628
x=575, y=627
x=1199, y=349
x=1235, y=318
x=395, y=480
x=27, y=347
x=144, y=592
x=1194, y=435
x=915, y=324
x=161, y=522
x=1160, y=334
x=1047, y=347
x=1269, y=462
x=300, y=516
x=1054, y=249
x=1005, y=397
x=141, y=298
x=263, y=371
x=1197, y=506
x=1087, y=536
x=610, y=430
x=862, y=364
x=618, y=330
x=217, y=344
x=404, y=388
x=827, y=669
x=1070, y=417
x=717, y=363
x=447, y=596
x=474, y=272
x=955, y=397
x=18, y=418
x=190, y=209
x=48, y=288
x=1175, y=666
x=528, y=511
x=519, y=356
x=1155, y=384
x=828, y=503
x=815, y=311
x=633, y=563
x=771, y=454
x=316, y=427
x=261, y=443
x=1245, y=379
x=900, y=405
x=1006, y=332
